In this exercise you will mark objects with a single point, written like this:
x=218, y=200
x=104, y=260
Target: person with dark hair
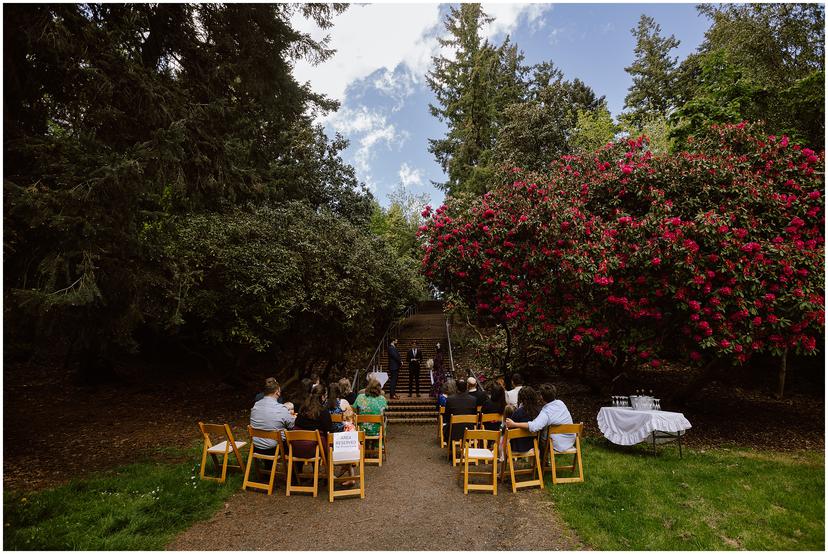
x=269, y=415
x=268, y=383
x=312, y=416
x=553, y=412
x=530, y=404
x=512, y=395
x=415, y=359
x=335, y=404
x=495, y=404
x=394, y=364
x=461, y=403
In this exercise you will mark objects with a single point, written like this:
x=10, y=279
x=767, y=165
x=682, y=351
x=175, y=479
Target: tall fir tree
x=653, y=72
x=472, y=88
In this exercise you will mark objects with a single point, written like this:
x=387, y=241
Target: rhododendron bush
x=622, y=257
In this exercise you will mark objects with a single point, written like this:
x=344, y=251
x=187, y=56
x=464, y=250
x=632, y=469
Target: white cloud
x=509, y=16
x=410, y=176
x=397, y=85
x=368, y=129
x=367, y=38
x=375, y=36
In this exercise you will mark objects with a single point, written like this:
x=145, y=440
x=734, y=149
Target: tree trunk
x=695, y=384
x=783, y=369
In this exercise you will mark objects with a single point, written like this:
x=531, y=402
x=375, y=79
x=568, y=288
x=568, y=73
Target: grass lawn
x=722, y=499
x=137, y=507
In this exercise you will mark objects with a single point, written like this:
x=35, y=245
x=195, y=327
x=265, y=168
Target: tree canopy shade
x=125, y=119
x=621, y=257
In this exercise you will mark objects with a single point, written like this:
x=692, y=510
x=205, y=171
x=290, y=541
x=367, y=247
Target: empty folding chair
x=223, y=449
x=473, y=439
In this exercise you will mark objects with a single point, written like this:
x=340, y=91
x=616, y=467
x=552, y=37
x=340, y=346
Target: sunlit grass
x=710, y=500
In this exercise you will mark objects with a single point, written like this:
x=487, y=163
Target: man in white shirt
x=268, y=415
x=554, y=412
x=512, y=395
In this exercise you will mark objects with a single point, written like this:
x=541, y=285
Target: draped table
x=625, y=426
x=380, y=376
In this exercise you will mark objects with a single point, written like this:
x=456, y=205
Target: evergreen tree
x=653, y=73
x=472, y=88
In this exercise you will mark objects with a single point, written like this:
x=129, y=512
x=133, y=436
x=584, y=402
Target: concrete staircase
x=427, y=327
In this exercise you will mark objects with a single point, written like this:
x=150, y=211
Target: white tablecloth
x=626, y=426
x=380, y=376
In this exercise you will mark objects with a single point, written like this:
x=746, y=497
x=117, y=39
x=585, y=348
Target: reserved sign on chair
x=346, y=446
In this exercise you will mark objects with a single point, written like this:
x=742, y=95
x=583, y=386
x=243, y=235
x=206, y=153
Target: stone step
x=413, y=421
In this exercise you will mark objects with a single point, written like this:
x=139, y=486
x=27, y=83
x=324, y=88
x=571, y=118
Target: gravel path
x=413, y=502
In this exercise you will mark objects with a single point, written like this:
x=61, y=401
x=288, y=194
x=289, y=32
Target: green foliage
x=656, y=129
x=137, y=507
x=281, y=279
x=128, y=121
x=593, y=130
x=653, y=73
x=757, y=62
x=472, y=89
x=718, y=499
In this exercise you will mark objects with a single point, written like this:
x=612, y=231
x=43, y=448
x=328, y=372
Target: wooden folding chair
x=471, y=453
x=454, y=444
x=274, y=459
x=333, y=461
x=223, y=449
x=318, y=459
x=512, y=457
x=577, y=429
x=440, y=431
x=489, y=418
x=381, y=451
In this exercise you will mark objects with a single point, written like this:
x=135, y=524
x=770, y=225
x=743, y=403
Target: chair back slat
x=336, y=418
x=519, y=433
x=490, y=418
x=301, y=435
x=463, y=419
x=577, y=428
x=265, y=434
x=370, y=418
x=477, y=434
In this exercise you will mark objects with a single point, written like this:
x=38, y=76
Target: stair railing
x=393, y=330
x=451, y=355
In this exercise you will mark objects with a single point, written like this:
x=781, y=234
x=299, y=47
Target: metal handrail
x=383, y=343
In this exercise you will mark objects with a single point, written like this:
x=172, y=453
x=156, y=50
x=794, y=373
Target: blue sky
x=384, y=52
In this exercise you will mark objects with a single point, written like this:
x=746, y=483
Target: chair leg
x=465, y=472
x=494, y=475
x=379, y=446
x=224, y=467
x=250, y=461
x=203, y=460
x=316, y=476
x=512, y=472
x=552, y=464
x=361, y=478
x=289, y=474
x=538, y=467
x=330, y=480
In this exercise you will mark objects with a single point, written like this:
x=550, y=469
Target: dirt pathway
x=413, y=502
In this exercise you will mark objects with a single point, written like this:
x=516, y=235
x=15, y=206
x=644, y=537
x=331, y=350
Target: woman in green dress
x=372, y=401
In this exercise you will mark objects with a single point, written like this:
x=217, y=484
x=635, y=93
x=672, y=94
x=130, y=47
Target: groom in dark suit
x=415, y=359
x=394, y=364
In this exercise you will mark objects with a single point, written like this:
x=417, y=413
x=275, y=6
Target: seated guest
x=449, y=388
x=530, y=406
x=346, y=392
x=269, y=381
x=335, y=404
x=512, y=395
x=461, y=403
x=554, y=412
x=479, y=394
x=312, y=417
x=268, y=415
x=494, y=404
x=372, y=401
